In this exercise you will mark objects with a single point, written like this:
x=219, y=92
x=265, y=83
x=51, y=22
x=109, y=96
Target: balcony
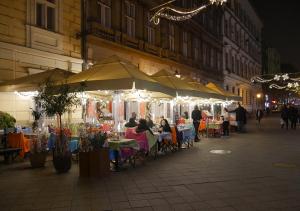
x=101, y=31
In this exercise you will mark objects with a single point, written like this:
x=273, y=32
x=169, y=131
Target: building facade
x=242, y=58
x=271, y=61
x=36, y=35
x=123, y=28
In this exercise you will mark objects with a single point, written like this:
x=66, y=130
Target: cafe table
x=214, y=128
x=117, y=144
x=188, y=134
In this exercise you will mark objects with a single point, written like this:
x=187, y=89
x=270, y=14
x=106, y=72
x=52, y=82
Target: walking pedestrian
x=196, y=116
x=293, y=117
x=241, y=117
x=259, y=115
x=225, y=122
x=285, y=117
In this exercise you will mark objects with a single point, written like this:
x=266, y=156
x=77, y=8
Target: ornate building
x=36, y=35
x=122, y=27
x=271, y=61
x=242, y=50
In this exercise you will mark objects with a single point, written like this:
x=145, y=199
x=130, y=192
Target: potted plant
x=6, y=121
x=38, y=151
x=84, y=155
x=36, y=116
x=55, y=101
x=99, y=155
x=93, y=155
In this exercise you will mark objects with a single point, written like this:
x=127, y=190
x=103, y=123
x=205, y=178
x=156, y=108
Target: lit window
x=46, y=14
x=105, y=12
x=130, y=18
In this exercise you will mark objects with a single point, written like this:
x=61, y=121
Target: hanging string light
x=180, y=15
x=276, y=77
x=285, y=81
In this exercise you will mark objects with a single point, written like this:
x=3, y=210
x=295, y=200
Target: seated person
x=165, y=133
x=142, y=127
x=164, y=129
x=150, y=123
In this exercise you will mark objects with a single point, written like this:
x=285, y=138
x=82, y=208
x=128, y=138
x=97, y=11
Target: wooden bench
x=10, y=154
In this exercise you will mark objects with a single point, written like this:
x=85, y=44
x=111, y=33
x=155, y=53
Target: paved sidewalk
x=262, y=172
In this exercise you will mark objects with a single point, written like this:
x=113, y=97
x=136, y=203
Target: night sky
x=281, y=27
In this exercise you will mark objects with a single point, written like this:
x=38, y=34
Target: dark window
x=40, y=15
x=50, y=18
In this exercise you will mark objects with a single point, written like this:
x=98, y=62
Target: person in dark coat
x=149, y=122
x=142, y=127
x=196, y=116
x=259, y=114
x=285, y=116
x=241, y=117
x=293, y=117
x=132, y=121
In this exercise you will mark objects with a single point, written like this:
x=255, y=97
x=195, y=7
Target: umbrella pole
x=116, y=110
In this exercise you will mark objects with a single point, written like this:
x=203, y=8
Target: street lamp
x=258, y=97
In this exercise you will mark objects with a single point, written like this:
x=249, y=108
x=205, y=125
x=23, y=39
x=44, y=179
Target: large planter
x=84, y=164
x=38, y=160
x=62, y=162
x=99, y=165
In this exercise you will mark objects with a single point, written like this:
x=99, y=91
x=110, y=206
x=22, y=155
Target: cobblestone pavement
x=261, y=173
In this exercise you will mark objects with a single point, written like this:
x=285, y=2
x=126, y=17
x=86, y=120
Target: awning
x=221, y=91
x=34, y=81
x=185, y=87
x=205, y=91
x=180, y=86
x=115, y=73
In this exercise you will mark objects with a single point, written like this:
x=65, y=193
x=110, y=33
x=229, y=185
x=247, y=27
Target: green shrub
x=6, y=120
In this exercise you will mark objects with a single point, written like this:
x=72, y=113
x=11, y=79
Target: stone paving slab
x=192, y=179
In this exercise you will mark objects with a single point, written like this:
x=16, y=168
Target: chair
x=142, y=141
x=166, y=144
x=174, y=143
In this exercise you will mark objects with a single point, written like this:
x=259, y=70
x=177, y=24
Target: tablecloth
x=73, y=145
x=188, y=133
x=214, y=126
x=123, y=143
x=17, y=140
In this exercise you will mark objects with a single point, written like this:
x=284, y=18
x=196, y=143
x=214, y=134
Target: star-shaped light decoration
x=277, y=77
x=218, y=2
x=285, y=77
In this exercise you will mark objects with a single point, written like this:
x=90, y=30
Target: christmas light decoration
x=276, y=77
x=26, y=94
x=180, y=15
x=285, y=81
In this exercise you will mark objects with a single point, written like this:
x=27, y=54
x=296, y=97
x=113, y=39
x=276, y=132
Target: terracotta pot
x=99, y=165
x=62, y=162
x=38, y=160
x=84, y=164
